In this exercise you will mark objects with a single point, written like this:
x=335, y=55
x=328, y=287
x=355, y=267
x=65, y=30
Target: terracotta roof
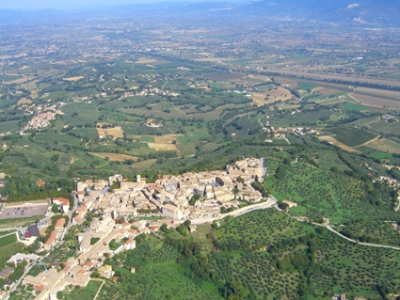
x=88, y=264
x=129, y=241
x=63, y=201
x=60, y=223
x=51, y=238
x=38, y=287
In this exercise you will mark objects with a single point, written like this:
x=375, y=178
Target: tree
x=194, y=198
x=164, y=228
x=55, y=208
x=283, y=206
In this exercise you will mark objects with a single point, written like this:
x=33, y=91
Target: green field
x=87, y=293
x=351, y=136
x=321, y=192
x=351, y=106
x=382, y=155
x=9, y=250
x=306, y=86
x=18, y=222
x=156, y=277
x=7, y=240
x=263, y=254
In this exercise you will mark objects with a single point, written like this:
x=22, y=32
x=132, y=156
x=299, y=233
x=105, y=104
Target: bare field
x=340, y=77
x=18, y=81
x=74, y=79
x=24, y=101
x=375, y=101
x=143, y=60
x=162, y=147
x=385, y=145
x=166, y=139
x=116, y=132
x=144, y=164
x=274, y=95
x=332, y=140
x=391, y=95
x=113, y=156
x=291, y=83
x=325, y=91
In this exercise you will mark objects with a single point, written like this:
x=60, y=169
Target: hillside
x=361, y=12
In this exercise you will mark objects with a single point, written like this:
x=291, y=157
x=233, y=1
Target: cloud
x=353, y=5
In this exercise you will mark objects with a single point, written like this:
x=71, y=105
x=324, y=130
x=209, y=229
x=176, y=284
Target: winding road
x=330, y=228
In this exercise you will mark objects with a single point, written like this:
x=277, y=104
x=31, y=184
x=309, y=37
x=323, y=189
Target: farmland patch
x=335, y=142
x=162, y=147
x=352, y=136
x=385, y=145
x=73, y=79
x=114, y=156
x=376, y=101
x=115, y=132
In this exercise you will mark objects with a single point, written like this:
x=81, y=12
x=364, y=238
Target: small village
x=43, y=114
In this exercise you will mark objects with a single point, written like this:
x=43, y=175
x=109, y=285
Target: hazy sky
x=76, y=4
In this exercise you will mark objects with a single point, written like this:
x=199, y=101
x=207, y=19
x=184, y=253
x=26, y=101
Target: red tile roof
x=51, y=238
x=60, y=223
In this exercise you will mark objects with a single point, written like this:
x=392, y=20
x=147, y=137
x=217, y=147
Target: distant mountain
x=372, y=12
x=361, y=12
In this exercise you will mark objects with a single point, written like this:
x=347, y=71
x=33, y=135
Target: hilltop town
x=112, y=213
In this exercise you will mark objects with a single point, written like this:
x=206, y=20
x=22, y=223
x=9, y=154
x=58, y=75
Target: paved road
x=71, y=212
x=361, y=243
x=330, y=228
x=264, y=205
x=262, y=125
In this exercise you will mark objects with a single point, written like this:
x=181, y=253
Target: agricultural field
x=376, y=101
x=115, y=132
x=162, y=147
x=156, y=275
x=327, y=193
x=8, y=247
x=114, y=156
x=331, y=139
x=352, y=136
x=87, y=293
x=8, y=240
x=270, y=96
x=76, y=78
x=260, y=254
x=385, y=145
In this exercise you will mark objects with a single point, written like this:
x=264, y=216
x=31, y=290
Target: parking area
x=24, y=211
